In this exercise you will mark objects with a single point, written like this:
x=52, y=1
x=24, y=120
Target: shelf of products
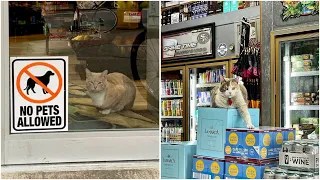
x=171, y=87
x=174, y=11
x=171, y=132
x=171, y=108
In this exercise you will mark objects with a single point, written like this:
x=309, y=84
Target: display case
x=172, y=93
x=201, y=78
x=297, y=76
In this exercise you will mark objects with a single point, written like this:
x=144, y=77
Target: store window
x=120, y=38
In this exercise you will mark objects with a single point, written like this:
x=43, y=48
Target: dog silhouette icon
x=45, y=79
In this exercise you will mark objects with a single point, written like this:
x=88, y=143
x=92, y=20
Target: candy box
x=176, y=160
x=212, y=124
x=214, y=166
x=253, y=143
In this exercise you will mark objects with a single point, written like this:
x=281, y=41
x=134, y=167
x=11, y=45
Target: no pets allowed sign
x=39, y=94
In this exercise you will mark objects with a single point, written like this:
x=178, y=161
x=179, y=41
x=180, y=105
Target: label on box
x=170, y=164
x=299, y=160
x=174, y=18
x=132, y=17
x=211, y=136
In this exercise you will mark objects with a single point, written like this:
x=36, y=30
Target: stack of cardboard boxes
x=225, y=148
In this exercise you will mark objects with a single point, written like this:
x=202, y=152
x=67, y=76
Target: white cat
x=112, y=92
x=231, y=94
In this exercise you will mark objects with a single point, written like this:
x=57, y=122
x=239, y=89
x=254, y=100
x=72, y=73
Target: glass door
x=201, y=78
x=298, y=83
x=172, y=104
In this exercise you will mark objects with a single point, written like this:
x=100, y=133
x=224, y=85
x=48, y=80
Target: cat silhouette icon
x=45, y=79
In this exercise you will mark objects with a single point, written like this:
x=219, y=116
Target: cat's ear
x=88, y=72
x=222, y=80
x=104, y=73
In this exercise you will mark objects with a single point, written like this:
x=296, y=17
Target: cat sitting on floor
x=112, y=92
x=231, y=94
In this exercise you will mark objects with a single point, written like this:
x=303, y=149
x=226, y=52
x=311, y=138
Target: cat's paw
x=250, y=126
x=105, y=111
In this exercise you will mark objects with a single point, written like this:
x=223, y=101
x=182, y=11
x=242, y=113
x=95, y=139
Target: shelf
x=308, y=73
x=171, y=96
x=219, y=19
x=203, y=104
x=207, y=85
x=175, y=6
x=304, y=107
x=171, y=117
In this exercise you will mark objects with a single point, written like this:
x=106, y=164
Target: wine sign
x=192, y=43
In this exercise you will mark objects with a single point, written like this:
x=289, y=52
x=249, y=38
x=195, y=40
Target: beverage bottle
x=162, y=133
x=166, y=133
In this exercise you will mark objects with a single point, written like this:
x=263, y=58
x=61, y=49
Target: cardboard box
x=241, y=169
x=299, y=161
x=261, y=143
x=176, y=160
x=198, y=164
x=253, y=144
x=212, y=124
x=208, y=165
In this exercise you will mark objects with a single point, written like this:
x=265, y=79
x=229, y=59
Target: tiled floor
x=82, y=115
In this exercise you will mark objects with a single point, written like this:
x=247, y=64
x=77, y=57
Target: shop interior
x=98, y=35
x=272, y=50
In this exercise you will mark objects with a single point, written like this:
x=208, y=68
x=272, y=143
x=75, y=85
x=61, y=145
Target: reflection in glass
x=100, y=37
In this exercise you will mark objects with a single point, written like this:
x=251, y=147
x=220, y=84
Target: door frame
x=289, y=33
x=63, y=147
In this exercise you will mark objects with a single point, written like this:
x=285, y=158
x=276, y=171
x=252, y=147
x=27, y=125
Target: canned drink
x=309, y=148
x=293, y=175
x=281, y=174
x=173, y=109
x=297, y=147
x=316, y=147
x=306, y=175
x=287, y=146
x=169, y=108
x=181, y=105
x=268, y=174
x=316, y=175
x=165, y=112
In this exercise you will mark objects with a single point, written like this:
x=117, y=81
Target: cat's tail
x=26, y=88
x=131, y=114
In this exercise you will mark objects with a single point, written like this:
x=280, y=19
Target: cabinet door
x=172, y=93
x=297, y=77
x=201, y=78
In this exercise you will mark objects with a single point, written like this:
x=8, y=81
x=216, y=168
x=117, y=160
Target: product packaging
x=247, y=169
x=259, y=143
x=176, y=160
x=212, y=124
x=207, y=168
x=300, y=155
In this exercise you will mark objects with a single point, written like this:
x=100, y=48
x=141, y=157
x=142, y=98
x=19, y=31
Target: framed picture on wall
x=188, y=44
